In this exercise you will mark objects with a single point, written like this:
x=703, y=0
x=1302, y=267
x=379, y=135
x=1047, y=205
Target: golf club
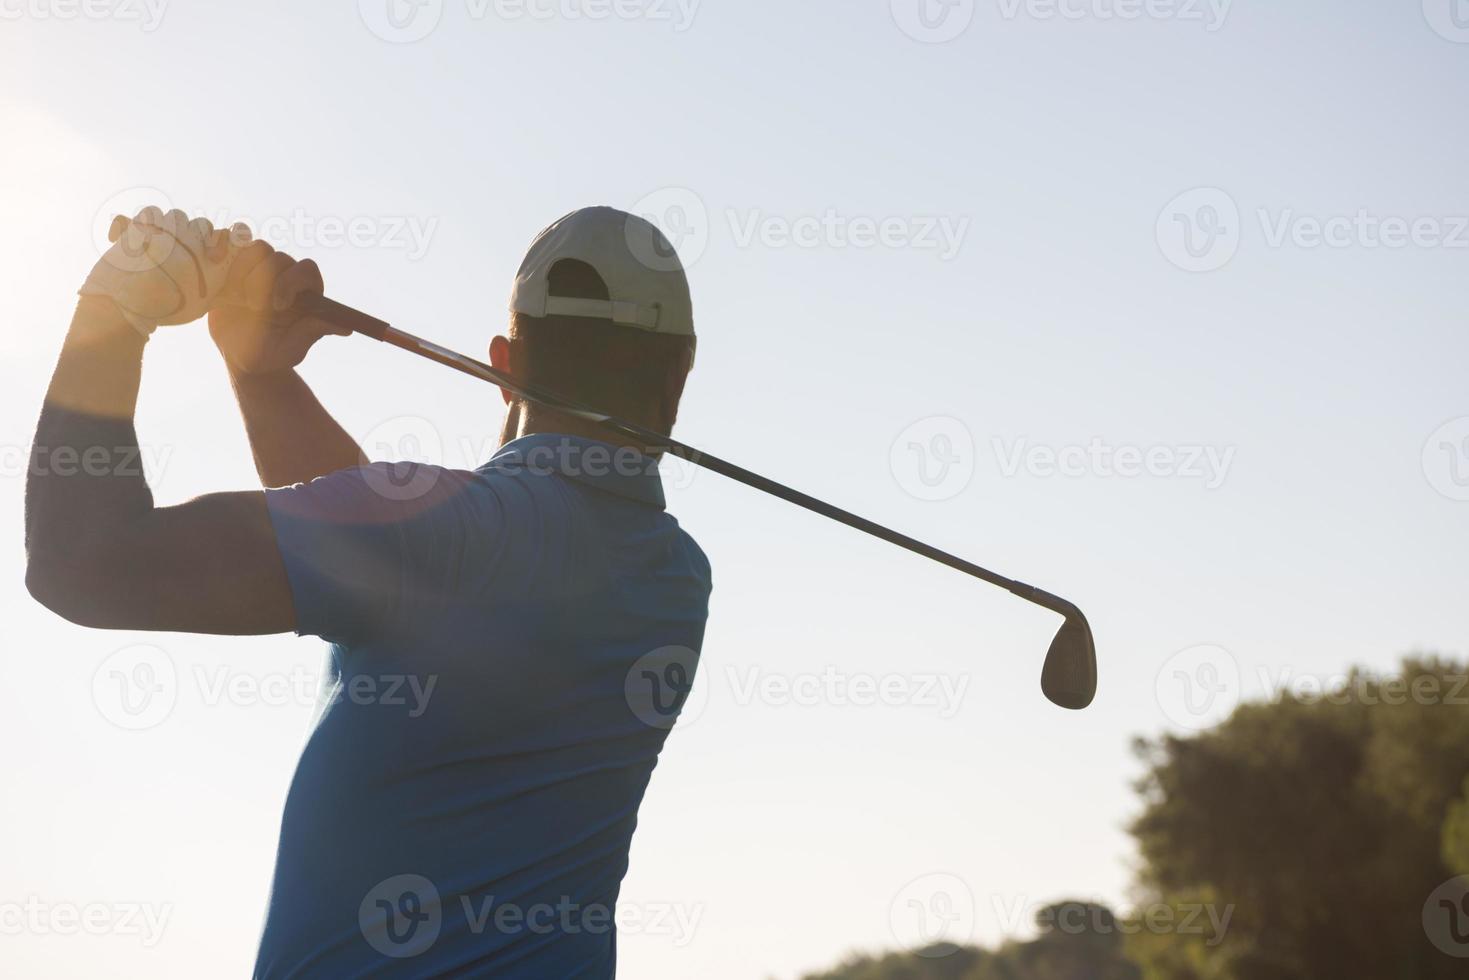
x=1069, y=677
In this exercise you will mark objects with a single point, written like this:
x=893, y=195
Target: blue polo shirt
x=508, y=650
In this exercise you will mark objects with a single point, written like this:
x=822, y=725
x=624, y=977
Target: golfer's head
x=600, y=314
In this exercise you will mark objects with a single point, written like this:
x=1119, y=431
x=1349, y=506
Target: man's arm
x=98, y=551
x=293, y=438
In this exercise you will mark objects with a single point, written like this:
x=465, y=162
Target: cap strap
x=618, y=311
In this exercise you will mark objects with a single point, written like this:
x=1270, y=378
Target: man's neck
x=525, y=420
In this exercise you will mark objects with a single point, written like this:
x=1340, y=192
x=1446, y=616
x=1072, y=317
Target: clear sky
x=962, y=269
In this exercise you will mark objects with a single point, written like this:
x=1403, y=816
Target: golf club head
x=1069, y=677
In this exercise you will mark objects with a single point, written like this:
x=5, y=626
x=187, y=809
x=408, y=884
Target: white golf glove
x=162, y=268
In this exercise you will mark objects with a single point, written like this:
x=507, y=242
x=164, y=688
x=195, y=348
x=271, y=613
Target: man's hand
x=252, y=320
x=162, y=269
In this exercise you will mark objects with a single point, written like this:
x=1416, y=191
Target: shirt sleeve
x=363, y=545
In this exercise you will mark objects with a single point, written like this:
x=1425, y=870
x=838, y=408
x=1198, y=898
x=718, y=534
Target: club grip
x=344, y=316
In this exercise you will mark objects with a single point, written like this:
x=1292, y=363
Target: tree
x=1299, y=839
x=1323, y=822
x=1077, y=941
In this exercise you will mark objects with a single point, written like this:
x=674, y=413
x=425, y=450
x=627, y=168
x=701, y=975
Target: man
x=503, y=641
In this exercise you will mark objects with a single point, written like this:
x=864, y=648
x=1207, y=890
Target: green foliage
x=1077, y=941
x=1324, y=822
x=1297, y=840
x=1456, y=834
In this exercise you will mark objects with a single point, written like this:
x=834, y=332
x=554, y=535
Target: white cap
x=645, y=280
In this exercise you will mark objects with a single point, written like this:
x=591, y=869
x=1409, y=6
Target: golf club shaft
x=359, y=322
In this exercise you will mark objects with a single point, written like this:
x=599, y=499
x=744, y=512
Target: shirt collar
x=619, y=470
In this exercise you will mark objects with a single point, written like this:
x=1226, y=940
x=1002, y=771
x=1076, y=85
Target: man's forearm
x=293, y=438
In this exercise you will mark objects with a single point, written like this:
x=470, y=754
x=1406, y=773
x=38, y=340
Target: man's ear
x=500, y=360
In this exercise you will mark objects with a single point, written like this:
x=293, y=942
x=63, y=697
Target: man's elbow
x=62, y=591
